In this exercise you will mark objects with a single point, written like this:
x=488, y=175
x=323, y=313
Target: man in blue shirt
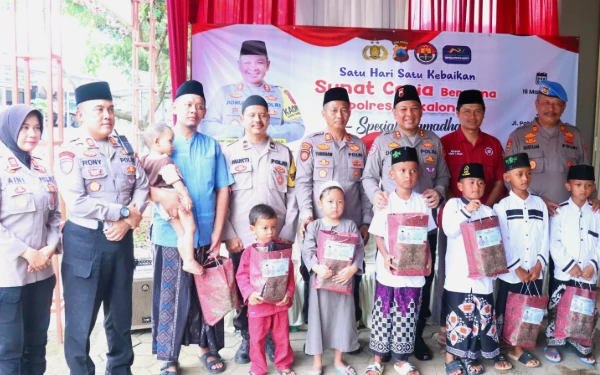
x=177, y=317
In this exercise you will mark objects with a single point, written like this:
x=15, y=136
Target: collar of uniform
x=461, y=137
x=585, y=207
x=515, y=196
x=36, y=165
x=246, y=144
x=464, y=200
x=535, y=126
x=329, y=137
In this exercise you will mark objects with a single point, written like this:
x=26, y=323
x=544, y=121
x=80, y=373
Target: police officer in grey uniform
x=105, y=190
x=333, y=155
x=433, y=179
x=223, y=115
x=264, y=172
x=29, y=237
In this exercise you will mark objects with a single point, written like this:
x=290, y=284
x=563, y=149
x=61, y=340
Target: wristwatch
x=124, y=212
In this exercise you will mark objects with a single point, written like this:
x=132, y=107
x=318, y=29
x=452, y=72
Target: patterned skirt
x=471, y=325
x=394, y=323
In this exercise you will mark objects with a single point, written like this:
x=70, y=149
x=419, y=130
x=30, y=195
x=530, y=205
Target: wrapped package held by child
x=577, y=315
x=269, y=268
x=523, y=318
x=408, y=243
x=336, y=251
x=217, y=291
x=483, y=244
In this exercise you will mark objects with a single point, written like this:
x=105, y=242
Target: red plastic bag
x=576, y=315
x=217, y=291
x=523, y=319
x=483, y=244
x=407, y=237
x=336, y=251
x=269, y=270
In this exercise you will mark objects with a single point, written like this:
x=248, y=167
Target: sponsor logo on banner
x=374, y=51
x=400, y=51
x=456, y=54
x=426, y=53
x=540, y=76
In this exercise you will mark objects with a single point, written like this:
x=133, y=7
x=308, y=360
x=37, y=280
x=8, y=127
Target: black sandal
x=166, y=365
x=501, y=358
x=468, y=363
x=208, y=365
x=453, y=366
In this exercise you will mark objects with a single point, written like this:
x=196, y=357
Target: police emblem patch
x=357, y=163
x=324, y=163
x=95, y=172
x=267, y=87
x=279, y=169
x=66, y=164
x=304, y=154
x=489, y=151
x=529, y=135
x=354, y=147
x=428, y=144
x=131, y=169
x=534, y=128
x=397, y=134
x=375, y=51
x=328, y=137
x=323, y=146
x=430, y=169
x=271, y=97
x=323, y=173
x=305, y=146
x=20, y=189
x=235, y=95
x=91, y=154
x=530, y=141
x=279, y=180
x=532, y=164
x=240, y=168
x=422, y=133
x=94, y=186
x=393, y=145
x=356, y=173
x=429, y=159
x=373, y=149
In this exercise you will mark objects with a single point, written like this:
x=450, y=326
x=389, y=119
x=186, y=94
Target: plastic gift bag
x=269, y=270
x=523, y=318
x=407, y=237
x=483, y=244
x=576, y=315
x=336, y=251
x=217, y=291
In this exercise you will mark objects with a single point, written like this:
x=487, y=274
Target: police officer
x=30, y=235
x=223, y=116
x=333, y=155
x=432, y=183
x=264, y=172
x=105, y=190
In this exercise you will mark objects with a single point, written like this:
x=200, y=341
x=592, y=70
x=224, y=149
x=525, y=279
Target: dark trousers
x=24, y=320
x=97, y=271
x=425, y=312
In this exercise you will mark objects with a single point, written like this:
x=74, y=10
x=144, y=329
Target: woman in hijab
x=29, y=236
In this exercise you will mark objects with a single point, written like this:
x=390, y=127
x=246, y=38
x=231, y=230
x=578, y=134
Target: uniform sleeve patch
x=66, y=154
x=373, y=149
x=304, y=154
x=306, y=146
x=509, y=144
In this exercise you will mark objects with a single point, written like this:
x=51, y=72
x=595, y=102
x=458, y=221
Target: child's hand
x=323, y=271
x=388, y=261
x=284, y=301
x=255, y=299
x=186, y=201
x=345, y=275
x=534, y=273
x=588, y=272
x=522, y=275
x=473, y=205
x=575, y=271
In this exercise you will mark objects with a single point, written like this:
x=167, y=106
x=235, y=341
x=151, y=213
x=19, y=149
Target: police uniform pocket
x=355, y=169
x=536, y=161
x=9, y=304
x=278, y=180
x=90, y=173
x=20, y=200
x=242, y=174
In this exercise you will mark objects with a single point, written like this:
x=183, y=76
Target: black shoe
x=357, y=351
x=422, y=352
x=270, y=348
x=242, y=356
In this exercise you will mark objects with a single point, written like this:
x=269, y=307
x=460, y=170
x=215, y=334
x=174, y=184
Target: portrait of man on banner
x=223, y=117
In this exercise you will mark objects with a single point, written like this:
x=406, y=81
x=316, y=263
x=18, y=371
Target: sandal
x=524, y=359
x=405, y=369
x=552, y=355
x=288, y=372
x=453, y=366
x=589, y=360
x=348, y=370
x=208, y=365
x=374, y=366
x=320, y=372
x=501, y=358
x=166, y=365
x=469, y=363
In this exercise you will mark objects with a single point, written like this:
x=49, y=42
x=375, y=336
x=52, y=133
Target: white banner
x=303, y=62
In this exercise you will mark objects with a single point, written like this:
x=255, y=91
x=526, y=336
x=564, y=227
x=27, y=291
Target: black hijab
x=11, y=121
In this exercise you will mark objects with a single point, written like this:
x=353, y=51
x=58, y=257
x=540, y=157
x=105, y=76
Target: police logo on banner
x=541, y=76
x=426, y=53
x=400, y=51
x=374, y=51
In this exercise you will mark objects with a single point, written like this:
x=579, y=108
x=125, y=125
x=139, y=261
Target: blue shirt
x=204, y=171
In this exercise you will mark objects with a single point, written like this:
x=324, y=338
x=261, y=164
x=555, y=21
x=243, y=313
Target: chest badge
x=304, y=154
x=354, y=147
x=393, y=145
x=89, y=153
x=279, y=180
x=532, y=164
x=323, y=146
x=279, y=169
x=240, y=168
x=323, y=163
x=271, y=97
x=429, y=159
x=94, y=186
x=428, y=144
x=131, y=169
x=323, y=173
x=20, y=189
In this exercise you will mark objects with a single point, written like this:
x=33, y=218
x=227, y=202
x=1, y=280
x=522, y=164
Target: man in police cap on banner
x=223, y=116
x=105, y=191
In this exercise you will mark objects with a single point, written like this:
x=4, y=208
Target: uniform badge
x=529, y=135
x=356, y=173
x=94, y=186
x=328, y=137
x=279, y=180
x=240, y=168
x=428, y=144
x=489, y=151
x=569, y=141
x=51, y=188
x=305, y=146
x=95, y=172
x=393, y=145
x=90, y=142
x=569, y=135
x=304, y=154
x=90, y=153
x=535, y=128
x=509, y=144
x=569, y=164
x=235, y=95
x=397, y=134
x=373, y=150
x=20, y=189
x=131, y=169
x=234, y=110
x=323, y=173
x=357, y=163
x=272, y=112
x=348, y=139
x=562, y=128
x=240, y=86
x=532, y=164
x=354, y=147
x=279, y=169
x=271, y=97
x=429, y=159
x=323, y=146
x=544, y=90
x=267, y=87
x=131, y=180
x=66, y=165
x=113, y=142
x=430, y=170
x=530, y=141
x=422, y=133
x=400, y=92
x=12, y=162
x=323, y=163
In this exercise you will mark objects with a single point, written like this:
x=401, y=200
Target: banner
x=303, y=62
